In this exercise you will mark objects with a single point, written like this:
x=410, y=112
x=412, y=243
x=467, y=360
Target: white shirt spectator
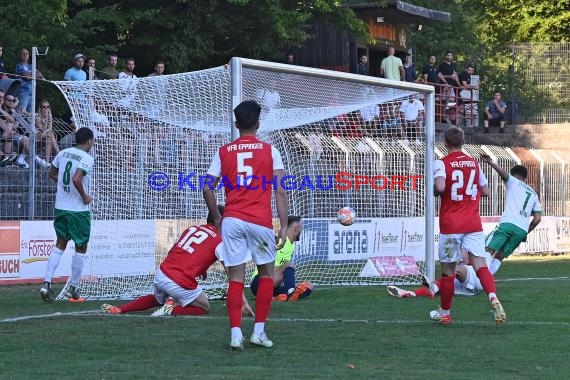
x=411, y=109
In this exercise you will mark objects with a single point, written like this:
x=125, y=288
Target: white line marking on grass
x=533, y=279
x=284, y=320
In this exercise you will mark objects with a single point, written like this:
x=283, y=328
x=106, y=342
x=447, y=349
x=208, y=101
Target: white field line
x=313, y=320
x=283, y=320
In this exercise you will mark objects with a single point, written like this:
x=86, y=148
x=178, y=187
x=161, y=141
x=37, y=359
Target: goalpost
x=343, y=144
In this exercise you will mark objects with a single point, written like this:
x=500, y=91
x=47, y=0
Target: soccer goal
x=346, y=140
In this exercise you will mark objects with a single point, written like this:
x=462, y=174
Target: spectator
x=290, y=59
x=410, y=73
x=90, y=70
x=44, y=130
x=430, y=72
x=76, y=72
x=495, y=111
x=158, y=69
x=24, y=69
x=128, y=83
x=446, y=72
x=389, y=120
x=362, y=67
x=9, y=125
x=3, y=68
x=128, y=73
x=412, y=112
x=110, y=72
x=392, y=67
x=465, y=78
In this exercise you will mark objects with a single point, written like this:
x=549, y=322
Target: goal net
x=346, y=140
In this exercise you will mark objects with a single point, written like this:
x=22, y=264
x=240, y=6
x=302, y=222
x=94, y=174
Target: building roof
x=397, y=12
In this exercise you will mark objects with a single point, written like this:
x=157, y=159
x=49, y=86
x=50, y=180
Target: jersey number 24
x=458, y=185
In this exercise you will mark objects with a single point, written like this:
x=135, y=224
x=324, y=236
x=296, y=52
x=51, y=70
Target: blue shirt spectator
x=76, y=72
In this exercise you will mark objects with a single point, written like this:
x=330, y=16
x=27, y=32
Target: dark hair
x=470, y=65
x=210, y=217
x=448, y=52
x=129, y=59
x=247, y=114
x=454, y=136
x=293, y=219
x=519, y=170
x=83, y=135
x=159, y=62
x=112, y=55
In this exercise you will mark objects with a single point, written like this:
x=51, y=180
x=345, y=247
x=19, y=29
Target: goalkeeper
x=176, y=289
x=284, y=280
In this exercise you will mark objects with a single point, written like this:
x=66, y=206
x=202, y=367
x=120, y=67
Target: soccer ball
x=346, y=216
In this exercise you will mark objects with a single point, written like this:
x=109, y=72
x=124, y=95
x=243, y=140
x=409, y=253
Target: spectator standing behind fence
x=44, y=130
x=158, y=69
x=430, y=72
x=362, y=67
x=412, y=112
x=90, y=69
x=410, y=73
x=495, y=111
x=447, y=73
x=110, y=71
x=76, y=72
x=3, y=68
x=392, y=67
x=24, y=69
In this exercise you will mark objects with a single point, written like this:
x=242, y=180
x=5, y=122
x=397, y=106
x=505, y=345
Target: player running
x=460, y=184
x=72, y=216
x=249, y=170
x=284, y=281
x=520, y=204
x=175, y=283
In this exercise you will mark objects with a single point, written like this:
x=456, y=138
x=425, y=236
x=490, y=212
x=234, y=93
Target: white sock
x=77, y=268
x=495, y=264
x=53, y=262
x=259, y=327
x=290, y=291
x=491, y=296
x=236, y=333
x=21, y=157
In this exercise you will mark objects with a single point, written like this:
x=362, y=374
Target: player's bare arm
x=78, y=183
x=53, y=173
x=282, y=203
x=438, y=186
x=487, y=159
x=211, y=201
x=536, y=217
x=484, y=190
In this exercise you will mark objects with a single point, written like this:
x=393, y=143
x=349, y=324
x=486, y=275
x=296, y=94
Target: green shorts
x=73, y=225
x=505, y=238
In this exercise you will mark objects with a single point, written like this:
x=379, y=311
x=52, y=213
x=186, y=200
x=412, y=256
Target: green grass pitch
x=337, y=333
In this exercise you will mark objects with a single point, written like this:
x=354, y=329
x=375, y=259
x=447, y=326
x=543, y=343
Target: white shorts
x=164, y=287
x=471, y=286
x=240, y=238
x=450, y=244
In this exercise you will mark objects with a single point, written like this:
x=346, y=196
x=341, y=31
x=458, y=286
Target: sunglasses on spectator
x=45, y=107
x=10, y=99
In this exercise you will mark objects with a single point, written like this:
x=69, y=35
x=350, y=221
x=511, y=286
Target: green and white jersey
x=522, y=201
x=68, y=161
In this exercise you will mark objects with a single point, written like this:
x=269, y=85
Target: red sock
x=446, y=291
x=188, y=310
x=487, y=280
x=140, y=304
x=423, y=292
x=234, y=303
x=263, y=299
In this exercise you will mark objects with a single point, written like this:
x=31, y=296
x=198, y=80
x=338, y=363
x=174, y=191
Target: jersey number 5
x=458, y=185
x=193, y=236
x=245, y=172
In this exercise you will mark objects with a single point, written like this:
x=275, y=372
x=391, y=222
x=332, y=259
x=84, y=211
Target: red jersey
x=192, y=255
x=245, y=167
x=459, y=210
